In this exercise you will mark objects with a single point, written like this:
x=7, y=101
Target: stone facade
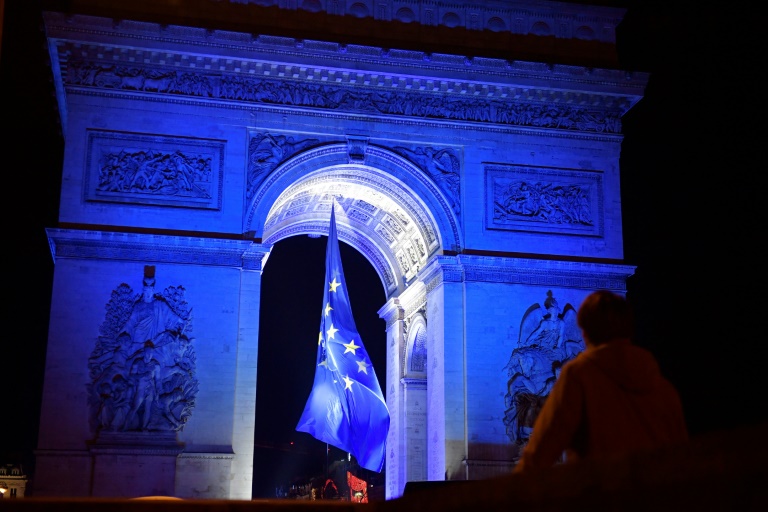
x=13, y=481
x=476, y=186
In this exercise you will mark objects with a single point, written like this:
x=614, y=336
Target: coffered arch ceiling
x=386, y=208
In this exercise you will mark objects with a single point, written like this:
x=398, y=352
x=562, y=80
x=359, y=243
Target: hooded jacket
x=610, y=400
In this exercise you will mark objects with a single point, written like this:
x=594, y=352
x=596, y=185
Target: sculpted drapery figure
x=143, y=367
x=143, y=375
x=442, y=165
x=548, y=338
x=152, y=319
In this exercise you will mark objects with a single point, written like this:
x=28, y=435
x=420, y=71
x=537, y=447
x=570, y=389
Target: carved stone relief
x=158, y=170
x=296, y=93
x=442, y=165
x=143, y=368
x=266, y=151
x=528, y=198
x=356, y=148
x=415, y=364
x=549, y=337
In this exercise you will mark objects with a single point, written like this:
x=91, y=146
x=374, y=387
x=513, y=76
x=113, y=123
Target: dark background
x=692, y=199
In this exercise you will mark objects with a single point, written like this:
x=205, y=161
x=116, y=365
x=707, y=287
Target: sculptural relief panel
x=413, y=97
x=526, y=198
x=549, y=337
x=154, y=170
x=143, y=367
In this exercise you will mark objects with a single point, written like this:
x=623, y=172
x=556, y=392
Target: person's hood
x=629, y=366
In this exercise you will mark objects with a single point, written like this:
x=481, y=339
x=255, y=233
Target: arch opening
x=393, y=214
x=292, y=290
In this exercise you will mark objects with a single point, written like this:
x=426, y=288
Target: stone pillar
x=414, y=384
x=446, y=412
x=414, y=440
x=245, y=384
x=210, y=456
x=392, y=314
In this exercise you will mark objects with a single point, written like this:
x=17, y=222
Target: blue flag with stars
x=346, y=407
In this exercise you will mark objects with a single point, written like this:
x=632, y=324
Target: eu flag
x=345, y=408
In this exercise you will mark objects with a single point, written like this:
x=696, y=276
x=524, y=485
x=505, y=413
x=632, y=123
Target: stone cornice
x=136, y=443
x=502, y=465
x=67, y=243
x=190, y=49
x=207, y=455
x=475, y=15
x=574, y=30
x=414, y=384
x=413, y=299
x=561, y=273
x=568, y=274
x=391, y=312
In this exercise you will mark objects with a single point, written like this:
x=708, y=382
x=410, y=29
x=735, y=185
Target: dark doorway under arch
x=291, y=304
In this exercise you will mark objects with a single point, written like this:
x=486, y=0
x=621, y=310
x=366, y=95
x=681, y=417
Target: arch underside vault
x=387, y=208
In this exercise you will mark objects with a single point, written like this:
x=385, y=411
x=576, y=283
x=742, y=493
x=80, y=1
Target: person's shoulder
x=576, y=364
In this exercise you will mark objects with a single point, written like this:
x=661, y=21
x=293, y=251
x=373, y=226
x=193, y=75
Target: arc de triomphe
x=483, y=190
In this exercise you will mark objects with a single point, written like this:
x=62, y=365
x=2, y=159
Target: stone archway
x=392, y=213
x=399, y=219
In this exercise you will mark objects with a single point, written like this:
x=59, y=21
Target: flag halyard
x=346, y=407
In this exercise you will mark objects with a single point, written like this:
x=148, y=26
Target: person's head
x=605, y=316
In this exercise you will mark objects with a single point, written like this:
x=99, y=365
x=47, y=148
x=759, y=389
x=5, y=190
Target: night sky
x=692, y=192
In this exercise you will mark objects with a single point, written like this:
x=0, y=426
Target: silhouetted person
x=610, y=400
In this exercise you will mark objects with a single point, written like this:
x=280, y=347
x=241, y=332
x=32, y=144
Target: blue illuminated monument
x=481, y=182
x=346, y=407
